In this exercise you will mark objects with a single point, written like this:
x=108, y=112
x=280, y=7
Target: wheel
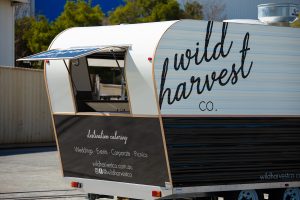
x=291, y=194
x=248, y=195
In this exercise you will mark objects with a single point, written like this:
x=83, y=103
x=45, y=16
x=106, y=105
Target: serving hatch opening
x=97, y=75
x=105, y=73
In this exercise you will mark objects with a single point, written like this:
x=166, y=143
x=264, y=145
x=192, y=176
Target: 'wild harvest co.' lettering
x=181, y=62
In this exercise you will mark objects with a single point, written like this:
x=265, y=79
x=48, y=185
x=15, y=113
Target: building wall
x=6, y=33
x=24, y=110
x=25, y=9
x=239, y=9
x=245, y=9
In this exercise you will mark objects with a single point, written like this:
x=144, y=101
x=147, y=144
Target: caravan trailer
x=177, y=109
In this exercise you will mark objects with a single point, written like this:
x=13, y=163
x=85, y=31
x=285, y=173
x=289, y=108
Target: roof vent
x=281, y=14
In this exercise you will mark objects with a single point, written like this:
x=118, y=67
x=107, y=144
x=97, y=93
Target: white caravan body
x=191, y=107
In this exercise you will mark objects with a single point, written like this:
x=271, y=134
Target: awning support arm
x=123, y=82
x=122, y=72
x=70, y=74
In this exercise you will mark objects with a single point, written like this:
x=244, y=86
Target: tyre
x=248, y=195
x=92, y=196
x=291, y=194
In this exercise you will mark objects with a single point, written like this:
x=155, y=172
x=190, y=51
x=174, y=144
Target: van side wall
x=212, y=68
x=210, y=151
x=229, y=99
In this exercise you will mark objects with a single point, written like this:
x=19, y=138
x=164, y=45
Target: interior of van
x=99, y=82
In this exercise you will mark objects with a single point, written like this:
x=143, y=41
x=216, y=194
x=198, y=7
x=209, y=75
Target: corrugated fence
x=24, y=110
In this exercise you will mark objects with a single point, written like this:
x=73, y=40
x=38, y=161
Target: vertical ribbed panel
x=194, y=76
x=24, y=110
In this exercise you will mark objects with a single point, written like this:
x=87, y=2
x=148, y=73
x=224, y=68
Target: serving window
x=99, y=82
x=97, y=76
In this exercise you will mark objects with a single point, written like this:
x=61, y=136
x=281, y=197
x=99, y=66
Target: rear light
x=156, y=193
x=76, y=184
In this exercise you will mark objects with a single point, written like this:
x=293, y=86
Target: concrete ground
x=33, y=173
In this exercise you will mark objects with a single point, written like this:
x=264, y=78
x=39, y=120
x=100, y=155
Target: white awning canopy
x=72, y=53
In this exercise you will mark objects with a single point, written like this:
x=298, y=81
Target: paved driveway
x=33, y=173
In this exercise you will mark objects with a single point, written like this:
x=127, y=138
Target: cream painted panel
x=142, y=39
x=59, y=87
x=270, y=87
x=141, y=92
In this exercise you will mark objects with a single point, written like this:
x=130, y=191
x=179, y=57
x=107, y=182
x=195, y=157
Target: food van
x=177, y=109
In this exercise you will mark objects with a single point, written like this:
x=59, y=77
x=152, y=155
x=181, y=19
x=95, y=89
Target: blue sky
x=52, y=8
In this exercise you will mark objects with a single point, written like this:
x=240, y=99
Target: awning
x=71, y=53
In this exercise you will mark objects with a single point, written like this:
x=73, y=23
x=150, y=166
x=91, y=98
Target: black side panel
x=218, y=151
x=123, y=149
